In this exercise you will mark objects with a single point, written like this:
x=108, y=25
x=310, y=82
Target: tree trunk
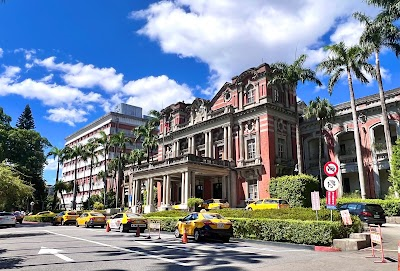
x=105, y=176
x=75, y=190
x=385, y=121
x=90, y=180
x=356, y=137
x=298, y=139
x=53, y=206
x=320, y=156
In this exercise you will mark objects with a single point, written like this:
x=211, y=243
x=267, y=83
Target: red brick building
x=228, y=147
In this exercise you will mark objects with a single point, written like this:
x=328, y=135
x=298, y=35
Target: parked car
x=7, y=219
x=211, y=204
x=263, y=204
x=204, y=224
x=45, y=214
x=91, y=219
x=125, y=222
x=65, y=218
x=19, y=216
x=367, y=212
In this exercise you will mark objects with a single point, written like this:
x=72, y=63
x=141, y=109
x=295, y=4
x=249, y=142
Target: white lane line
x=55, y=252
x=122, y=249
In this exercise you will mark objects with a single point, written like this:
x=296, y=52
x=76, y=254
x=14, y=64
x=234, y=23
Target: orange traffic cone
x=108, y=228
x=184, y=237
x=137, y=232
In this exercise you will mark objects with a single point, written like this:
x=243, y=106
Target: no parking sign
x=331, y=169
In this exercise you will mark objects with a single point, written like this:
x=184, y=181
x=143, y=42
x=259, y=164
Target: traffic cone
x=184, y=237
x=137, y=232
x=108, y=228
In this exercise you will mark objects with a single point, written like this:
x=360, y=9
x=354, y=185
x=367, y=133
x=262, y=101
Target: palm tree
x=349, y=60
x=146, y=133
x=84, y=158
x=60, y=156
x=91, y=150
x=119, y=141
x=61, y=186
x=289, y=75
x=391, y=8
x=378, y=34
x=323, y=110
x=136, y=156
x=105, y=143
x=75, y=153
x=155, y=117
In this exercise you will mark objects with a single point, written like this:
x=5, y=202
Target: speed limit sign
x=331, y=169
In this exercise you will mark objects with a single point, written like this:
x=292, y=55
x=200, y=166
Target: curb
x=327, y=249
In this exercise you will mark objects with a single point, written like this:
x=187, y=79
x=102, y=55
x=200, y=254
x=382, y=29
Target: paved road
x=43, y=247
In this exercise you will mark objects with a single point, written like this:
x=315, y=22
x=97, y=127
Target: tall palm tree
x=136, y=156
x=119, y=141
x=290, y=75
x=379, y=34
x=155, y=117
x=349, y=60
x=60, y=187
x=75, y=153
x=146, y=133
x=60, y=156
x=391, y=8
x=105, y=142
x=323, y=110
x=84, y=158
x=91, y=150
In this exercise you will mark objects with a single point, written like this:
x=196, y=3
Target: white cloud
x=349, y=32
x=231, y=36
x=84, y=76
x=1, y=52
x=28, y=54
x=156, y=92
x=47, y=78
x=52, y=164
x=67, y=115
x=11, y=72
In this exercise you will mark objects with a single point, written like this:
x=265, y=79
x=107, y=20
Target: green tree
x=5, y=120
x=290, y=75
x=60, y=187
x=155, y=117
x=13, y=190
x=394, y=176
x=349, y=60
x=147, y=135
x=25, y=121
x=60, y=156
x=391, y=8
x=105, y=142
x=378, y=34
x=322, y=110
x=74, y=154
x=119, y=141
x=91, y=150
x=136, y=156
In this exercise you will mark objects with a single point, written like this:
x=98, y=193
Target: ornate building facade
x=228, y=147
x=340, y=147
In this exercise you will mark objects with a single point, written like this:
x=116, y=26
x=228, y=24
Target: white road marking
x=122, y=249
x=55, y=252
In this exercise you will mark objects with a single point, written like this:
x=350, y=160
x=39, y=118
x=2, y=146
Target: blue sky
x=72, y=61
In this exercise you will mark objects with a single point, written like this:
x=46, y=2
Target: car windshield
x=213, y=216
x=96, y=214
x=133, y=215
x=71, y=213
x=5, y=214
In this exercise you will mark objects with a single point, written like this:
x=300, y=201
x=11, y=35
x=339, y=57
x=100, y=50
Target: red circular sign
x=331, y=169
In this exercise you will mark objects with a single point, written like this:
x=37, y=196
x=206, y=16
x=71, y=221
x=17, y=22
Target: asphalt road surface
x=44, y=247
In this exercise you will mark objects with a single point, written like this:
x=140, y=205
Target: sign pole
x=316, y=214
x=331, y=215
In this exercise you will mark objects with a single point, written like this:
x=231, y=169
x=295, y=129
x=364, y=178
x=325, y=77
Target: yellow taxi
x=263, y=204
x=212, y=204
x=124, y=222
x=204, y=224
x=91, y=219
x=45, y=214
x=65, y=218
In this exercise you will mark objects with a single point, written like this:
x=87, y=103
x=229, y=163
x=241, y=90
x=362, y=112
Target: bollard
x=184, y=237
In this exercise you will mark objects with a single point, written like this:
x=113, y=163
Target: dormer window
x=227, y=96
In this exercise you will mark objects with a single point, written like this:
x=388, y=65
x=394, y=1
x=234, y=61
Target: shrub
x=194, y=202
x=295, y=189
x=98, y=206
x=294, y=231
x=390, y=206
x=34, y=218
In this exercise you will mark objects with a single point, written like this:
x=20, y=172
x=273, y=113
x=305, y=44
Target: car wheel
x=13, y=225
x=76, y=224
x=225, y=239
x=53, y=223
x=102, y=226
x=177, y=234
x=196, y=235
x=142, y=230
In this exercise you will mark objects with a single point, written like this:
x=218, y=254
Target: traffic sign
x=331, y=197
x=331, y=169
x=315, y=201
x=331, y=183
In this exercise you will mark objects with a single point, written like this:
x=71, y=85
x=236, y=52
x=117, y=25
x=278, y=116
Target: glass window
x=352, y=206
x=212, y=216
x=251, y=148
x=250, y=96
x=281, y=148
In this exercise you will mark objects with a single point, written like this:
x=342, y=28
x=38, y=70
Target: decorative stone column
x=210, y=144
x=193, y=186
x=241, y=144
x=187, y=181
x=177, y=149
x=224, y=187
x=225, y=154
x=182, y=187
x=258, y=142
x=206, y=144
x=168, y=190
x=229, y=129
x=164, y=191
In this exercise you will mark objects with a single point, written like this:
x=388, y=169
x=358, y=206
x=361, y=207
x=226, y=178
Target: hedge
x=390, y=206
x=296, y=189
x=37, y=219
x=293, y=231
x=289, y=213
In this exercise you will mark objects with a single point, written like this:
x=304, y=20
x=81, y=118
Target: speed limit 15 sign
x=331, y=169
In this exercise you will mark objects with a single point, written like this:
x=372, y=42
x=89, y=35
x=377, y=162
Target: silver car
x=7, y=219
